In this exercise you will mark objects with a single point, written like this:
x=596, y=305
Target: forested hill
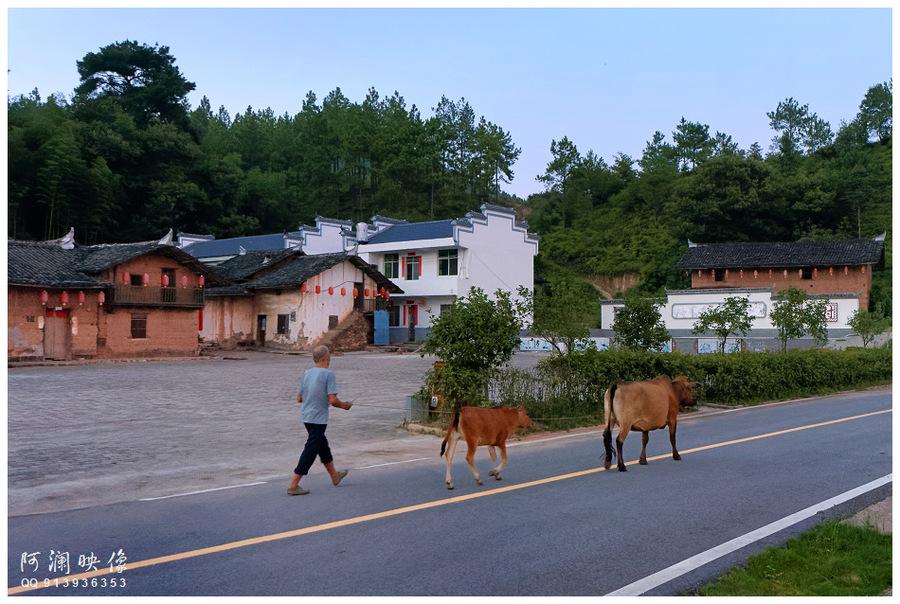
x=125, y=158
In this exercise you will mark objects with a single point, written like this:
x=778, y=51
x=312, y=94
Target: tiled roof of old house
x=46, y=263
x=231, y=246
x=300, y=268
x=244, y=266
x=788, y=254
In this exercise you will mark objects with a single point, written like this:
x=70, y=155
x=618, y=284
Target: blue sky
x=606, y=78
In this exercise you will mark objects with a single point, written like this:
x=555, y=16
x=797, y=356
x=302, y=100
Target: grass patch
x=833, y=559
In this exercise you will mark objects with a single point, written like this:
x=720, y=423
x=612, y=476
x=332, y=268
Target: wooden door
x=57, y=336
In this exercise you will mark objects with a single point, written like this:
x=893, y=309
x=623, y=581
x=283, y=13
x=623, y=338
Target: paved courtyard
x=100, y=433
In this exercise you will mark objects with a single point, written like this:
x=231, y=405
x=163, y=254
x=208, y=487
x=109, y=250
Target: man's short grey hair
x=320, y=352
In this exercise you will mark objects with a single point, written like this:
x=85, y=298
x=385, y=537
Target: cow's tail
x=454, y=422
x=609, y=416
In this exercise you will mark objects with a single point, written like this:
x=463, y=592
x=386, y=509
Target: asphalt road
x=398, y=531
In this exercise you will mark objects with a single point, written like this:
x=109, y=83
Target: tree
x=795, y=315
x=638, y=324
x=798, y=129
x=730, y=317
x=558, y=173
x=477, y=336
x=867, y=325
x=564, y=313
x=876, y=110
x=143, y=78
x=693, y=144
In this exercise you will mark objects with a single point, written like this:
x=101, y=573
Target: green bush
x=738, y=378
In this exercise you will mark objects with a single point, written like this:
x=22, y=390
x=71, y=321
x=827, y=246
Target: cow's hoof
x=479, y=483
x=642, y=462
x=449, y=486
x=606, y=465
x=623, y=469
x=493, y=472
x=676, y=457
x=497, y=476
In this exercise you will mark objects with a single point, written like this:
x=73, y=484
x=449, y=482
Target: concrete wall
x=825, y=280
x=327, y=241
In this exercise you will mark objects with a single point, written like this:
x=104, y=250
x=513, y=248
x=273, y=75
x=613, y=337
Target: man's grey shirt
x=316, y=385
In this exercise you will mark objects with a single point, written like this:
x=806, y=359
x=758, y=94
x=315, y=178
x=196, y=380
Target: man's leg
x=328, y=460
x=310, y=450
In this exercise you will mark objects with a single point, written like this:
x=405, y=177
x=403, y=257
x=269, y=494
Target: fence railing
x=137, y=295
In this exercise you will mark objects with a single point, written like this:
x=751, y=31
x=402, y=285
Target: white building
x=436, y=261
x=683, y=308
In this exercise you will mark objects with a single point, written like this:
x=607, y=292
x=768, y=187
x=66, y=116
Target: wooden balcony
x=167, y=297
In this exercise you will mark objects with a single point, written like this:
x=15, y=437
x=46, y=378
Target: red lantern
x=800, y=273
x=80, y=298
x=386, y=294
x=44, y=297
x=785, y=273
x=101, y=298
x=366, y=293
x=126, y=277
x=146, y=280
x=383, y=291
x=184, y=281
x=755, y=273
x=845, y=270
x=318, y=289
x=201, y=280
x=165, y=280
x=343, y=291
x=355, y=293
x=303, y=288
x=862, y=269
x=330, y=291
x=64, y=298
x=815, y=273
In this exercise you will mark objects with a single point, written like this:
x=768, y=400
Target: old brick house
x=818, y=267
x=113, y=300
x=288, y=300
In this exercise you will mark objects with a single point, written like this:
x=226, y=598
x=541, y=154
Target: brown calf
x=480, y=426
x=644, y=406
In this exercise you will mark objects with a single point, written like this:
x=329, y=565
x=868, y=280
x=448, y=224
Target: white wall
x=327, y=241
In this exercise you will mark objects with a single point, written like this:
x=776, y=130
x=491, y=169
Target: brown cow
x=644, y=406
x=480, y=426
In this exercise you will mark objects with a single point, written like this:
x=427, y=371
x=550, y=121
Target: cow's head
x=523, y=420
x=684, y=390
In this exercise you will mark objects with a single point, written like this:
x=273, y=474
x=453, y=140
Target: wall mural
x=693, y=311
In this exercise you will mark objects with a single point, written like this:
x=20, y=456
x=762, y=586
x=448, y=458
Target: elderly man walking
x=317, y=391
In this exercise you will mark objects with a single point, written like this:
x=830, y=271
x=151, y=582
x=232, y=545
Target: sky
x=606, y=78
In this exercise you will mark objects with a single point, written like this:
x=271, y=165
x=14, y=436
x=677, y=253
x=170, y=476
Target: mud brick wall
x=353, y=335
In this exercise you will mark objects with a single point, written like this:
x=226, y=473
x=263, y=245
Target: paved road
x=93, y=434
x=586, y=533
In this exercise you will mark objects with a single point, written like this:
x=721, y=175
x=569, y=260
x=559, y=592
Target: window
x=392, y=266
x=283, y=321
x=393, y=316
x=448, y=262
x=807, y=273
x=445, y=308
x=720, y=274
x=413, y=267
x=137, y=280
x=138, y=325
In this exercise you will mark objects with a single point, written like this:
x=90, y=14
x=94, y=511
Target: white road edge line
x=393, y=463
x=236, y=486
x=685, y=566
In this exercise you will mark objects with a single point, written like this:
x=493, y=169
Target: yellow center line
x=406, y=509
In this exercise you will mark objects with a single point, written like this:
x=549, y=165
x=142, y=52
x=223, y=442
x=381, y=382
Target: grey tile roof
x=231, y=246
x=387, y=220
x=227, y=290
x=195, y=235
x=414, y=231
x=47, y=264
x=242, y=267
x=299, y=268
x=42, y=264
x=775, y=255
x=496, y=208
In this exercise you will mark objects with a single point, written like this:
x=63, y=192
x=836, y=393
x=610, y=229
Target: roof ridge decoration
x=67, y=241
x=328, y=220
x=167, y=238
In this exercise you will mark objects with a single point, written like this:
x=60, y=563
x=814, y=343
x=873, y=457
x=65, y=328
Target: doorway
x=57, y=336
x=261, y=330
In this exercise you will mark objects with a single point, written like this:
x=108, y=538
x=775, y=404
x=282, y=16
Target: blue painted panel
x=382, y=331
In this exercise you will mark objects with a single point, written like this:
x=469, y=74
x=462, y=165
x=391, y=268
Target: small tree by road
x=475, y=337
x=795, y=315
x=638, y=325
x=732, y=317
x=867, y=325
x=564, y=313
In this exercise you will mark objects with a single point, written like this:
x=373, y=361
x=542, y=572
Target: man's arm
x=334, y=402
x=300, y=397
